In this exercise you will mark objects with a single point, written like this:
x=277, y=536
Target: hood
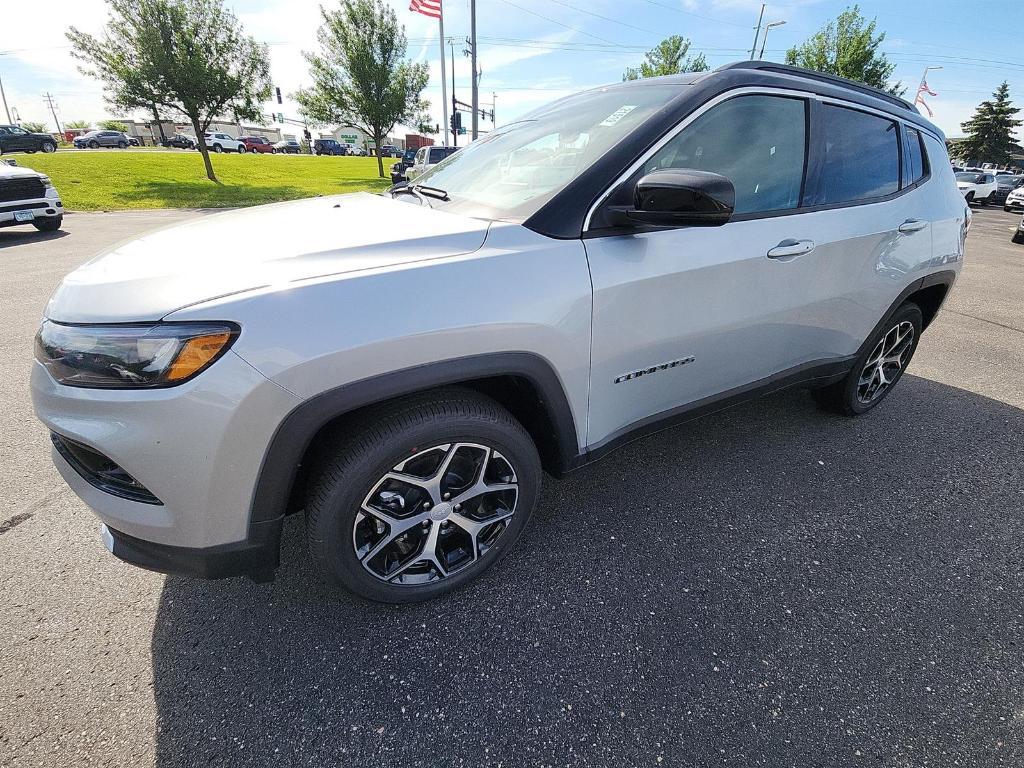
x=216, y=255
x=17, y=172
x=965, y=184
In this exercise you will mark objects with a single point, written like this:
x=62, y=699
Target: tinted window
x=862, y=156
x=915, y=154
x=757, y=142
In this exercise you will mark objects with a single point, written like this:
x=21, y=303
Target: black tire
x=843, y=397
x=122, y=145
x=49, y=147
x=984, y=201
x=94, y=144
x=355, y=460
x=48, y=224
x=218, y=148
x=273, y=150
x=1006, y=208
x=1018, y=237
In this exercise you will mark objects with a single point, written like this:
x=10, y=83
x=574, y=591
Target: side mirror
x=679, y=198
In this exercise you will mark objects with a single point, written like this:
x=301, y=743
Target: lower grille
x=101, y=472
x=21, y=189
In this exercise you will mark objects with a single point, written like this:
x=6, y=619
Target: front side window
x=757, y=142
x=862, y=156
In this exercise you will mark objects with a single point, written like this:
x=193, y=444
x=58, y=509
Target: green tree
x=668, y=58
x=34, y=127
x=188, y=57
x=361, y=76
x=78, y=124
x=848, y=47
x=989, y=132
x=112, y=125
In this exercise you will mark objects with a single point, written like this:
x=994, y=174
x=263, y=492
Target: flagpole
x=444, y=79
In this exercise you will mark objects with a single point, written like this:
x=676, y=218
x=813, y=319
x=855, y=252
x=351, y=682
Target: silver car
x=97, y=139
x=621, y=260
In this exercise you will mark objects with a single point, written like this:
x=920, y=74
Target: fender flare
x=296, y=431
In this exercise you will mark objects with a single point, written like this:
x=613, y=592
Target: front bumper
x=197, y=448
x=49, y=207
x=1014, y=205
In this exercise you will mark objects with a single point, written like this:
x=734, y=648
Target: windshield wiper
x=411, y=190
x=434, y=192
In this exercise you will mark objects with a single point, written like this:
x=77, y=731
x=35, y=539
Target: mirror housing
x=678, y=198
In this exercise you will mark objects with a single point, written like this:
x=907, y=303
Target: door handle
x=790, y=248
x=912, y=225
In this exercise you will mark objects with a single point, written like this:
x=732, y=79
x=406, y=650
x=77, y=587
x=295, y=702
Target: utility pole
x=764, y=40
x=3, y=97
x=455, y=109
x=475, y=100
x=757, y=32
x=53, y=110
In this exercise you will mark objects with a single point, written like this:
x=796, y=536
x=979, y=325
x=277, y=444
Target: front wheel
x=984, y=201
x=878, y=367
x=421, y=496
x=1018, y=237
x=48, y=225
x=218, y=148
x=122, y=145
x=49, y=147
x=94, y=144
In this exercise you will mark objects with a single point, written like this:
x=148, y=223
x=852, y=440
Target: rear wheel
x=878, y=367
x=1018, y=237
x=422, y=496
x=218, y=148
x=94, y=144
x=122, y=145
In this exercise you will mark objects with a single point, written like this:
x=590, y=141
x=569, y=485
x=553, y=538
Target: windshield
x=973, y=178
x=511, y=172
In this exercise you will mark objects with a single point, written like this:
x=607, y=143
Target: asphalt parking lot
x=770, y=586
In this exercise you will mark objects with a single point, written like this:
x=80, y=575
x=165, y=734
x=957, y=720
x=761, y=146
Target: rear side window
x=862, y=156
x=917, y=160
x=757, y=142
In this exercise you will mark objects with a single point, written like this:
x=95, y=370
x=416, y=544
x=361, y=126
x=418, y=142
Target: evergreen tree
x=989, y=132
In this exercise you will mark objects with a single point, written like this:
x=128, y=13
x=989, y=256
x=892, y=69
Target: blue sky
x=533, y=51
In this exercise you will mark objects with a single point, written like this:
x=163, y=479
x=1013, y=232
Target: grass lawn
x=101, y=180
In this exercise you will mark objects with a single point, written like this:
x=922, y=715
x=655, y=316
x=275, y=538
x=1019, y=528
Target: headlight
x=130, y=356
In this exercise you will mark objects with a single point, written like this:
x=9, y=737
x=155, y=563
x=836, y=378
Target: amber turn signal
x=196, y=354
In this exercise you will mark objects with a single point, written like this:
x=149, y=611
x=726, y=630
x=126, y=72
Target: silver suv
x=616, y=262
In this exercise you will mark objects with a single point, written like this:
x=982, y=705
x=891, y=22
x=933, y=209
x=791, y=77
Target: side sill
x=818, y=373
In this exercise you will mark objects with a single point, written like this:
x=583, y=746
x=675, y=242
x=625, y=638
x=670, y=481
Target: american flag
x=431, y=8
x=921, y=90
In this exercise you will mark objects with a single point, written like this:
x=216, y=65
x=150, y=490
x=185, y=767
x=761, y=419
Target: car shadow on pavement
x=771, y=586
x=28, y=234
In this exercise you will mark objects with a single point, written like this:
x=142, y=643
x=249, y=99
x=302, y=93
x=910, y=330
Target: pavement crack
x=984, y=320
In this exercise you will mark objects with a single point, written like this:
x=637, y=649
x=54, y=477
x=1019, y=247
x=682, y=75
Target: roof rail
x=810, y=74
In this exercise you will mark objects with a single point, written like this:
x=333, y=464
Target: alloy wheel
x=885, y=363
x=435, y=513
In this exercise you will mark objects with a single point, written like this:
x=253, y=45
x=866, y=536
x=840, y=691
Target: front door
x=684, y=315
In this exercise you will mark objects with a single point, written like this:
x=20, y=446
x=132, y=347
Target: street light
x=765, y=40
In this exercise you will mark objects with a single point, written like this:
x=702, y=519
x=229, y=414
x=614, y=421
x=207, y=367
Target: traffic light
x=457, y=122
x=278, y=92
x=280, y=117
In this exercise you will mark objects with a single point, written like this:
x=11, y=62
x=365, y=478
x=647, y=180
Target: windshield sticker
x=618, y=114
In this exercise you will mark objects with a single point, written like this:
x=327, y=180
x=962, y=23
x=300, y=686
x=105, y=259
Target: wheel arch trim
x=295, y=433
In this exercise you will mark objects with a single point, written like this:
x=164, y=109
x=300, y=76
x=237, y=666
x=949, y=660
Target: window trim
x=812, y=160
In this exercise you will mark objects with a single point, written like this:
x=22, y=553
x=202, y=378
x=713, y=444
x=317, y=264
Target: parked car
x=425, y=158
x=257, y=144
x=27, y=197
x=180, y=141
x=134, y=142
x=97, y=139
x=288, y=146
x=975, y=186
x=629, y=258
x=390, y=150
x=1015, y=200
x=328, y=147
x=223, y=142
x=398, y=169
x=14, y=138
x=1005, y=184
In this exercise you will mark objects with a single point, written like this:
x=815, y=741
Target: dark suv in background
x=328, y=147
x=14, y=138
x=1005, y=184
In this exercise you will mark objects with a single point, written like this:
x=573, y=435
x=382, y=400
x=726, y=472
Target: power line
x=554, y=21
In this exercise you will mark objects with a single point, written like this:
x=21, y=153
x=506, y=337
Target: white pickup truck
x=28, y=197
